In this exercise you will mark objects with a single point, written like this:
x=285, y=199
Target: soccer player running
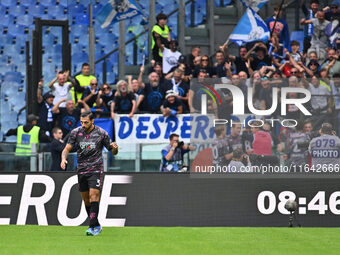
x=90, y=140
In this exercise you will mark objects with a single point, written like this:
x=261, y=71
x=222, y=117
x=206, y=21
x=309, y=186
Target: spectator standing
x=105, y=97
x=195, y=52
x=60, y=88
x=170, y=56
x=68, y=117
x=28, y=135
x=241, y=61
x=308, y=28
x=333, y=59
x=124, y=102
x=57, y=146
x=81, y=82
x=179, y=87
x=281, y=27
x=160, y=35
x=45, y=105
x=206, y=66
x=91, y=92
x=153, y=93
x=319, y=38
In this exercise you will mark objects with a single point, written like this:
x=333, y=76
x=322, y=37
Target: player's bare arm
x=64, y=155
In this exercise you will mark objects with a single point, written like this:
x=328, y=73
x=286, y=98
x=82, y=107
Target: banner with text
x=154, y=128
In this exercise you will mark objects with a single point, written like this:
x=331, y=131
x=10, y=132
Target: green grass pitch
x=60, y=240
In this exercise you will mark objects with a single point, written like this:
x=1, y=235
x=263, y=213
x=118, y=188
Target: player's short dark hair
x=294, y=43
x=55, y=130
x=327, y=128
x=219, y=51
x=237, y=153
x=87, y=114
x=219, y=130
x=161, y=16
x=173, y=135
x=314, y=2
x=308, y=122
x=85, y=64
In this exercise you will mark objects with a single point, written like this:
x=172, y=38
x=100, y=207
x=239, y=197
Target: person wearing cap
x=312, y=68
x=45, y=105
x=333, y=12
x=172, y=105
x=160, y=35
x=28, y=135
x=181, y=65
x=325, y=149
x=179, y=87
x=170, y=56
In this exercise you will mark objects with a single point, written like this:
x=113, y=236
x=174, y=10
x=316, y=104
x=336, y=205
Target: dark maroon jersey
x=90, y=147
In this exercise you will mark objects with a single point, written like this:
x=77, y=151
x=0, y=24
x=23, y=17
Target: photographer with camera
x=239, y=162
x=172, y=155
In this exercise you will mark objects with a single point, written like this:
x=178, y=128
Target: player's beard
x=87, y=130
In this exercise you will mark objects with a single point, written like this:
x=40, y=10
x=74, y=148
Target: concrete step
x=197, y=32
x=229, y=10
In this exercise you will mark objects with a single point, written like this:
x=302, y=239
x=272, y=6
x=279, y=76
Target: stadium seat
x=78, y=30
x=79, y=57
x=22, y=118
x=298, y=36
x=18, y=101
x=14, y=29
x=48, y=3
x=63, y=3
x=110, y=77
x=48, y=39
x=7, y=20
x=84, y=2
x=13, y=77
x=7, y=125
x=74, y=9
x=17, y=10
x=95, y=9
x=5, y=40
x=57, y=12
x=37, y=10
x=25, y=20
x=3, y=10
x=27, y=3
x=5, y=106
x=8, y=3
x=81, y=19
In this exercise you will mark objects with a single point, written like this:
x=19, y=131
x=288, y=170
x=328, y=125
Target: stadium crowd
x=172, y=79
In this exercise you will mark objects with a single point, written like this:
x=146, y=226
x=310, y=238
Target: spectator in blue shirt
x=281, y=27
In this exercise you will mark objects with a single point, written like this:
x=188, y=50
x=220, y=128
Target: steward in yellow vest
x=160, y=35
x=28, y=135
x=82, y=81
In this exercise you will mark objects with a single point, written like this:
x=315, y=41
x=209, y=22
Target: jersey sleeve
x=107, y=141
x=73, y=137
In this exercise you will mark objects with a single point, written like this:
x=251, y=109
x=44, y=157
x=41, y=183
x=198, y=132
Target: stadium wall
x=161, y=199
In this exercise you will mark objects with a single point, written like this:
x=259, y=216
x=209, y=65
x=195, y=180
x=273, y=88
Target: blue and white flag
x=256, y=5
x=333, y=32
x=117, y=10
x=250, y=28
